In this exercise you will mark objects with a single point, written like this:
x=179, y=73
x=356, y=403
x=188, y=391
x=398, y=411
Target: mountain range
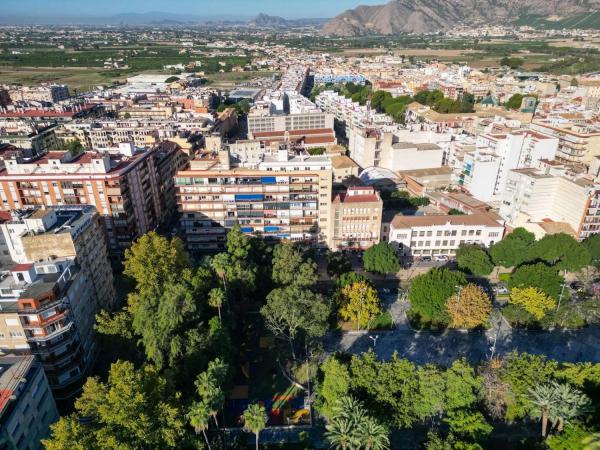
x=426, y=16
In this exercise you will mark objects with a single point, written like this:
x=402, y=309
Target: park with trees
x=234, y=341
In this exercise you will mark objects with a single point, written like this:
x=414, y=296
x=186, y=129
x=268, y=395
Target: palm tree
x=211, y=393
x=219, y=264
x=342, y=434
x=374, y=435
x=352, y=429
x=559, y=403
x=215, y=299
x=255, y=419
x=543, y=399
x=199, y=417
x=570, y=404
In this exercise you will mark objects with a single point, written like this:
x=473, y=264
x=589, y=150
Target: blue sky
x=285, y=8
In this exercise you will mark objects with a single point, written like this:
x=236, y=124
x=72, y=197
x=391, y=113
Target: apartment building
x=35, y=138
x=283, y=197
x=53, y=93
x=442, y=235
x=27, y=407
x=533, y=198
x=142, y=132
x=352, y=114
x=577, y=143
x=485, y=170
x=375, y=148
x=356, y=216
x=258, y=123
x=124, y=184
x=48, y=304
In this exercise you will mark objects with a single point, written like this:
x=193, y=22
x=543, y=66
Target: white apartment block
x=288, y=122
x=578, y=143
x=533, y=197
x=374, y=148
x=442, y=235
x=485, y=171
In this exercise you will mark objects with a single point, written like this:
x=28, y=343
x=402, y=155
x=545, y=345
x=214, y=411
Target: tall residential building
x=48, y=303
x=442, y=235
x=535, y=199
x=283, y=197
x=485, y=170
x=356, y=216
x=124, y=184
x=577, y=143
x=27, y=407
x=52, y=93
x=375, y=148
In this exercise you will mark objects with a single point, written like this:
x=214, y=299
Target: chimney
x=224, y=159
x=282, y=154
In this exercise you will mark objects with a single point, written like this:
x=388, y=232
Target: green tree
x=199, y=416
x=359, y=303
x=74, y=147
x=391, y=387
x=532, y=300
x=558, y=403
x=572, y=438
x=540, y=276
x=350, y=278
x=512, y=62
x=335, y=384
x=428, y=294
x=523, y=372
x=468, y=425
x=474, y=259
x=562, y=251
x=133, y=409
x=153, y=261
x=209, y=387
x=292, y=310
x=463, y=386
x=255, y=420
x=592, y=243
x=166, y=309
x=513, y=249
x=216, y=297
x=514, y=102
x=351, y=428
x=381, y=258
x=290, y=267
x=338, y=264
x=543, y=401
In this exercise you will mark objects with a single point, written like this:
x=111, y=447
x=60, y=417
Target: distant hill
x=264, y=20
x=425, y=16
x=267, y=21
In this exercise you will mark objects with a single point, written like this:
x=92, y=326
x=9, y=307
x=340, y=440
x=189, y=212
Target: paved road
x=445, y=347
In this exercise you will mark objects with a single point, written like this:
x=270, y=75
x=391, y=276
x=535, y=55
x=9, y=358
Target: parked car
x=441, y=258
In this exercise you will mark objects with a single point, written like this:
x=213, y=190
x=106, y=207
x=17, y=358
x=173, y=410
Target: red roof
x=44, y=113
x=21, y=267
x=344, y=198
x=5, y=395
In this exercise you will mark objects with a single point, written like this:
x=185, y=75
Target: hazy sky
x=285, y=8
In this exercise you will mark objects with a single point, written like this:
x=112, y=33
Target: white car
x=441, y=258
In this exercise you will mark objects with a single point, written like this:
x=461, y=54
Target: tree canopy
x=470, y=308
x=381, y=258
x=133, y=409
x=474, y=259
x=428, y=294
